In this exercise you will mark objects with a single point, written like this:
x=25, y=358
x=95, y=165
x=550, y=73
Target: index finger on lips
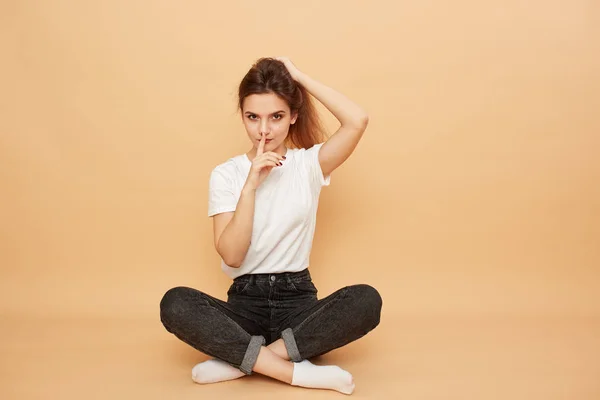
x=261, y=145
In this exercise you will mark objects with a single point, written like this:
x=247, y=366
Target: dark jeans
x=262, y=308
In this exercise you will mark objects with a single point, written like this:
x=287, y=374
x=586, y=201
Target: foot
x=331, y=377
x=213, y=371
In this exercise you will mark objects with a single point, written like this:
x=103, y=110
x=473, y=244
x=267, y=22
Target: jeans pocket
x=238, y=287
x=303, y=286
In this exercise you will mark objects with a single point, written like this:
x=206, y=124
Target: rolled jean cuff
x=256, y=342
x=290, y=344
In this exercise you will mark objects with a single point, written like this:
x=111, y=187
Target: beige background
x=472, y=202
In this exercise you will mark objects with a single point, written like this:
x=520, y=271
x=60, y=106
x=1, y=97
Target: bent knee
x=368, y=295
x=174, y=304
x=370, y=301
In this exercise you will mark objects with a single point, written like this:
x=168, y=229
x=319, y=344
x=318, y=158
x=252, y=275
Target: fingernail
x=280, y=164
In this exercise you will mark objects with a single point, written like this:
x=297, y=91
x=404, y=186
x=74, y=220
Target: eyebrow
x=276, y=112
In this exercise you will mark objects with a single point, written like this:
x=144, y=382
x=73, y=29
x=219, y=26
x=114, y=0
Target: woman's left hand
x=294, y=72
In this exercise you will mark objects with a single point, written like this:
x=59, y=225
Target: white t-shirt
x=285, y=210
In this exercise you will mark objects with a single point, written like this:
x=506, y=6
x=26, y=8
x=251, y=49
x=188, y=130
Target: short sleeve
x=311, y=158
x=221, y=196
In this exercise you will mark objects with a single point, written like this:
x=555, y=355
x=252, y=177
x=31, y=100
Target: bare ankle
x=278, y=347
x=270, y=364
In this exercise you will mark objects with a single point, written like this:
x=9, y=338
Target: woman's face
x=269, y=115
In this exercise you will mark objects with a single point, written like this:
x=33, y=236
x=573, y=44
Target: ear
x=294, y=117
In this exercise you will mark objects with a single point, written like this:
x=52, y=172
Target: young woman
x=264, y=206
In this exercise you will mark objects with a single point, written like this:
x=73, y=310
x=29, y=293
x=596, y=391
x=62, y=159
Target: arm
x=233, y=230
x=352, y=118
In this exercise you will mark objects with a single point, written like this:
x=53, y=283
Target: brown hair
x=268, y=75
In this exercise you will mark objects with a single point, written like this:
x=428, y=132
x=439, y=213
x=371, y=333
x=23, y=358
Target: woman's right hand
x=262, y=165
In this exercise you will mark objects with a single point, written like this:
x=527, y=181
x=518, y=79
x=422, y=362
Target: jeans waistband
x=280, y=277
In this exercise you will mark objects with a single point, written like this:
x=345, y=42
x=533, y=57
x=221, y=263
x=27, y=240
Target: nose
x=264, y=128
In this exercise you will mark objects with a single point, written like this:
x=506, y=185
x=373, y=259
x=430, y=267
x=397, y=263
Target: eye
x=251, y=116
x=277, y=116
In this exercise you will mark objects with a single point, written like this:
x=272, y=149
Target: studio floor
x=406, y=357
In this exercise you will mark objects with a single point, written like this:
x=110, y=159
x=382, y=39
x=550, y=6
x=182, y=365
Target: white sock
x=215, y=370
x=331, y=377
